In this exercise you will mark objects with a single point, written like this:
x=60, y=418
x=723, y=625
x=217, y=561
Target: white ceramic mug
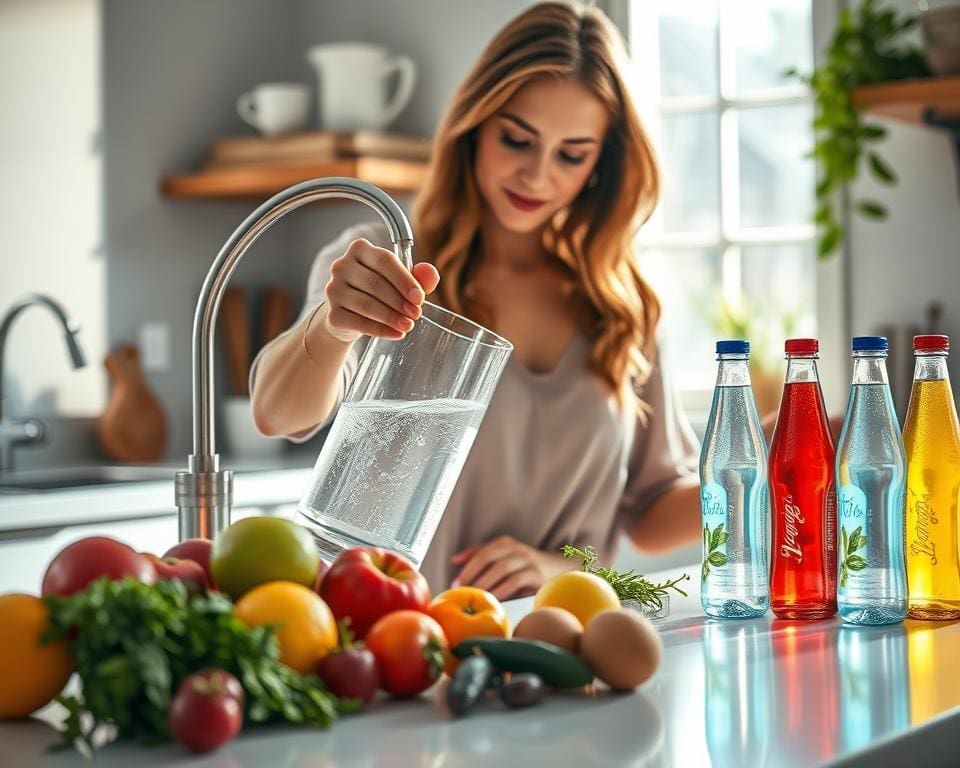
x=353, y=80
x=275, y=108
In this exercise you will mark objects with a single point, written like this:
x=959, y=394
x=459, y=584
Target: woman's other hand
x=372, y=293
x=507, y=567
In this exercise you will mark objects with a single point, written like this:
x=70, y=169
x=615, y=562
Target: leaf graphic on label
x=722, y=539
x=717, y=559
x=843, y=540
x=856, y=563
x=715, y=539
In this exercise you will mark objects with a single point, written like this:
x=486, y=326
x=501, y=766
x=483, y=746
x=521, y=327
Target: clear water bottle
x=871, y=583
x=733, y=494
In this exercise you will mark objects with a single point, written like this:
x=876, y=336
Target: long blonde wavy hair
x=593, y=236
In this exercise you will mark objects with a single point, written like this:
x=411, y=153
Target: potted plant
x=868, y=47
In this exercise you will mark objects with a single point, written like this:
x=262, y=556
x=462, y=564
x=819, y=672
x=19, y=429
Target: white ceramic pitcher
x=353, y=85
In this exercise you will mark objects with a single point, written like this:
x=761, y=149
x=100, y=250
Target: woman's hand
x=507, y=567
x=371, y=292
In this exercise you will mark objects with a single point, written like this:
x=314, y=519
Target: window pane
x=686, y=282
x=779, y=284
x=776, y=180
x=690, y=181
x=767, y=38
x=688, y=48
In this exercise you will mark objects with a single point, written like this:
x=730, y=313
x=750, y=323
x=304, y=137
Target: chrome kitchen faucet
x=204, y=492
x=19, y=431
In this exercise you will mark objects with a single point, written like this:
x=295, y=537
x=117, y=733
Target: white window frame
x=638, y=21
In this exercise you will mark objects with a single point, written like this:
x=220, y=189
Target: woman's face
x=536, y=154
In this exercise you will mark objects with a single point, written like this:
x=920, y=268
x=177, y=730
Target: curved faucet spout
x=204, y=491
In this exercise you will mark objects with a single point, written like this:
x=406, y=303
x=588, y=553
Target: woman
x=541, y=173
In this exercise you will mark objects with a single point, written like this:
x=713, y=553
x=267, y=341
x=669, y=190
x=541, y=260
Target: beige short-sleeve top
x=556, y=459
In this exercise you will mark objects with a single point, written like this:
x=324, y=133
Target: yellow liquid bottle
x=931, y=436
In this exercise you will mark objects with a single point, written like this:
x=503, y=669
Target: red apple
x=84, y=561
x=365, y=583
x=321, y=572
x=197, y=550
x=189, y=572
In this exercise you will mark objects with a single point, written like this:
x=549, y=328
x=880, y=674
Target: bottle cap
x=801, y=346
x=733, y=347
x=931, y=343
x=870, y=344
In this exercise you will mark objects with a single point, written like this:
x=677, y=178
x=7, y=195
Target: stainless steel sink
x=32, y=480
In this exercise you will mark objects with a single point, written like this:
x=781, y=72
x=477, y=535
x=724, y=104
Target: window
x=731, y=247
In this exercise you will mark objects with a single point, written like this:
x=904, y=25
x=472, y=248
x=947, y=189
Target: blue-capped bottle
x=733, y=494
x=871, y=466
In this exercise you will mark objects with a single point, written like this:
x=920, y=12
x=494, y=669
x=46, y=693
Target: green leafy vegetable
x=628, y=585
x=134, y=643
x=712, y=541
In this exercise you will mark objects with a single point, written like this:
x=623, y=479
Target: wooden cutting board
x=234, y=324
x=276, y=314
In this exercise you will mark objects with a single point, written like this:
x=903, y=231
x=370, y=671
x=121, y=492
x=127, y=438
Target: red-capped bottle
x=803, y=506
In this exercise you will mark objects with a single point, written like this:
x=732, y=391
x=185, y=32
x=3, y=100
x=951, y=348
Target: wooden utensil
x=276, y=313
x=133, y=426
x=235, y=331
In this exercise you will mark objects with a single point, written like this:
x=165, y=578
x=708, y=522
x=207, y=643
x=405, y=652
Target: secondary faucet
x=20, y=431
x=204, y=492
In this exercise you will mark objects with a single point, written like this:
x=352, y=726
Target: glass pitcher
x=403, y=432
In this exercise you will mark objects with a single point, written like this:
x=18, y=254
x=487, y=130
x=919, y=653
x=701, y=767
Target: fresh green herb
x=134, y=643
x=628, y=585
x=712, y=541
x=849, y=545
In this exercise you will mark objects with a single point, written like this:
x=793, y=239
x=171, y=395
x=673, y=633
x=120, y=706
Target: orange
x=30, y=674
x=583, y=594
x=306, y=629
x=465, y=612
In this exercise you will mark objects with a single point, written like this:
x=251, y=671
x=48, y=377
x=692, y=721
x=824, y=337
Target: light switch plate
x=155, y=347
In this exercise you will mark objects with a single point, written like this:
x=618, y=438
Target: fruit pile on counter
x=253, y=628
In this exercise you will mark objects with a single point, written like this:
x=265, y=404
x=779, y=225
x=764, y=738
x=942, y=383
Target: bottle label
x=925, y=516
x=853, y=533
x=713, y=505
x=792, y=521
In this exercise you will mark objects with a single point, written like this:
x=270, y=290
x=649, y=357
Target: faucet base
x=204, y=500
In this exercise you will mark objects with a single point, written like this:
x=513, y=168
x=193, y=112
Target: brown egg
x=621, y=647
x=551, y=625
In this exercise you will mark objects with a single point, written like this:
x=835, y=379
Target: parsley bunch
x=133, y=643
x=628, y=585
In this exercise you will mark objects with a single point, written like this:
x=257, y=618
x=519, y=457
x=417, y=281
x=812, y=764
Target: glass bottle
x=733, y=494
x=803, y=502
x=871, y=468
x=931, y=437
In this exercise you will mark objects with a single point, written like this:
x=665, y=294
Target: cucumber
x=554, y=665
x=468, y=683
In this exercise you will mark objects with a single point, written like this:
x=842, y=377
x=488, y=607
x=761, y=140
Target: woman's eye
x=572, y=159
x=508, y=141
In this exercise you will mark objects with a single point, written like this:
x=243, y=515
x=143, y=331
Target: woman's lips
x=523, y=203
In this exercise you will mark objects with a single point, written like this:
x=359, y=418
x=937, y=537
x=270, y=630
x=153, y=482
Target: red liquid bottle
x=803, y=506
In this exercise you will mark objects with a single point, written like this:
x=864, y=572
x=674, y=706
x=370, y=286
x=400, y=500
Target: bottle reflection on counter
x=806, y=691
x=934, y=666
x=874, y=687
x=736, y=660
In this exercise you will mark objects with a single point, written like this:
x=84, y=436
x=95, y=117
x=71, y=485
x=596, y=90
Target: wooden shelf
x=914, y=101
x=393, y=176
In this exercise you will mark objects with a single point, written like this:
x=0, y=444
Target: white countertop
x=253, y=486
x=760, y=692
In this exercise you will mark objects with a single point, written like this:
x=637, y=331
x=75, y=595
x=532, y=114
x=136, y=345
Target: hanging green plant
x=866, y=49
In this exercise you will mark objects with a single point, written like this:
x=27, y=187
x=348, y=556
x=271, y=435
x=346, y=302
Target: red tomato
x=86, y=560
x=410, y=649
x=365, y=583
x=207, y=710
